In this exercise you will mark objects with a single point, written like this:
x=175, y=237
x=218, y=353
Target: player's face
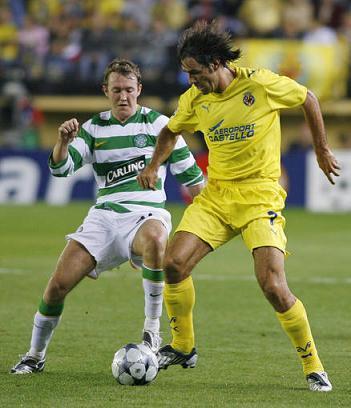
x=123, y=92
x=204, y=78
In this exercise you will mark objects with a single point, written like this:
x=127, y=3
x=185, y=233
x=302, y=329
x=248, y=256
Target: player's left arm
x=325, y=158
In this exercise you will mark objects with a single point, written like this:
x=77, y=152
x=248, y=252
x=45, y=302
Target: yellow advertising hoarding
x=321, y=68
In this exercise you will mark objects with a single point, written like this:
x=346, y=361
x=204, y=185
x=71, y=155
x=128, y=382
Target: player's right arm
x=182, y=119
x=73, y=149
x=67, y=131
x=164, y=147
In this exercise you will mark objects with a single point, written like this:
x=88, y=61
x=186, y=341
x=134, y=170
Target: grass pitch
x=245, y=360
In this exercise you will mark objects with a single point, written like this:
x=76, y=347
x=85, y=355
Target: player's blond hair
x=123, y=67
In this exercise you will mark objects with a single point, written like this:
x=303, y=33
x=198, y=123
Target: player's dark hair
x=206, y=43
x=123, y=67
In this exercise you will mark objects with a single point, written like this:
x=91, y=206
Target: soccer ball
x=134, y=364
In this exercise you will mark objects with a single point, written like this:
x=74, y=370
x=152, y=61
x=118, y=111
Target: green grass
x=245, y=358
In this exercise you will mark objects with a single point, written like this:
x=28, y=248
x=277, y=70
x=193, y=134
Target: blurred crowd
x=62, y=46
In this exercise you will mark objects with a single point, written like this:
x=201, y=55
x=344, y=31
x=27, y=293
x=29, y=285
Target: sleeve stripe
x=182, y=166
x=179, y=154
x=76, y=157
x=197, y=180
x=88, y=139
x=188, y=176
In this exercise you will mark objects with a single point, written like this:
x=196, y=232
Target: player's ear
x=140, y=87
x=215, y=64
x=104, y=89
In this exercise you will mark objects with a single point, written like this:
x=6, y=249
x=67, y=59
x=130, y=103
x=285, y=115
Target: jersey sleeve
x=184, y=117
x=183, y=165
x=282, y=92
x=80, y=152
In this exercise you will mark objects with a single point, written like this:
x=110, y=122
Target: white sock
x=153, y=292
x=43, y=329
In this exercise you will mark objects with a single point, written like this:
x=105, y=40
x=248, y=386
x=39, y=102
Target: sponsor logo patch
x=125, y=170
x=232, y=133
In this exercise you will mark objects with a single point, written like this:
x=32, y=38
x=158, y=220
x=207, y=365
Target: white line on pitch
x=12, y=270
x=203, y=277
x=314, y=279
x=241, y=278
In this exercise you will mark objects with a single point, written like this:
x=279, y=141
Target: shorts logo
x=140, y=140
x=125, y=170
x=248, y=99
x=272, y=216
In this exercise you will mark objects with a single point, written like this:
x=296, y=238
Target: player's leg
x=183, y=253
x=150, y=242
x=73, y=265
x=202, y=229
x=269, y=269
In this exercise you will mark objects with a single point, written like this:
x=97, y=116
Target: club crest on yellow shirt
x=248, y=99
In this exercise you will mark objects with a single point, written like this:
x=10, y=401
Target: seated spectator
x=261, y=17
x=57, y=66
x=154, y=59
x=44, y=10
x=9, y=49
x=297, y=16
x=174, y=13
x=95, y=49
x=141, y=10
x=34, y=45
x=128, y=40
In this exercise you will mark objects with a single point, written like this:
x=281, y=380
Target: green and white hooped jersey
x=118, y=152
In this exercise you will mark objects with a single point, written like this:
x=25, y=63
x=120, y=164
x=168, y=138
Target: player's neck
x=121, y=116
x=226, y=77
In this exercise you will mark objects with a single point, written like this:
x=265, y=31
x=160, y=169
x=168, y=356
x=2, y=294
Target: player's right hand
x=68, y=130
x=148, y=178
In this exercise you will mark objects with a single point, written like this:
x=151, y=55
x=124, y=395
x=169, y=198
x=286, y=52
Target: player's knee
x=156, y=243
x=277, y=293
x=174, y=268
x=56, y=290
x=271, y=289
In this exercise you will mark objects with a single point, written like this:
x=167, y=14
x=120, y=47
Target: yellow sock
x=180, y=300
x=295, y=323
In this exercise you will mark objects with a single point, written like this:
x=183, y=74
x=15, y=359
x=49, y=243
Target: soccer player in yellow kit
x=237, y=110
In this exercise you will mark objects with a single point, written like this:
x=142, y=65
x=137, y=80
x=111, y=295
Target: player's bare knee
x=156, y=243
x=271, y=289
x=174, y=268
x=278, y=294
x=56, y=290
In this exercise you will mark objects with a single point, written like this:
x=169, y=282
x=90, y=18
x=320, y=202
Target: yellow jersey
x=241, y=125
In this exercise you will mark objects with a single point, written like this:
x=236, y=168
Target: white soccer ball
x=134, y=364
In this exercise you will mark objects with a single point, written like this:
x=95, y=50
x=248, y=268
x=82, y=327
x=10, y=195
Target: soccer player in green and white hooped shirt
x=127, y=222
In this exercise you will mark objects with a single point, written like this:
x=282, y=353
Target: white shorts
x=108, y=235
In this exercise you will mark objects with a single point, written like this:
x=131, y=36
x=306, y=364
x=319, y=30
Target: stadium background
x=245, y=360
x=52, y=55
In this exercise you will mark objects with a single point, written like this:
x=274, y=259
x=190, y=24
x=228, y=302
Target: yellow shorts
x=225, y=209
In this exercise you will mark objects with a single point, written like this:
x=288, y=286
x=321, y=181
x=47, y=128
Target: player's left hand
x=328, y=163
